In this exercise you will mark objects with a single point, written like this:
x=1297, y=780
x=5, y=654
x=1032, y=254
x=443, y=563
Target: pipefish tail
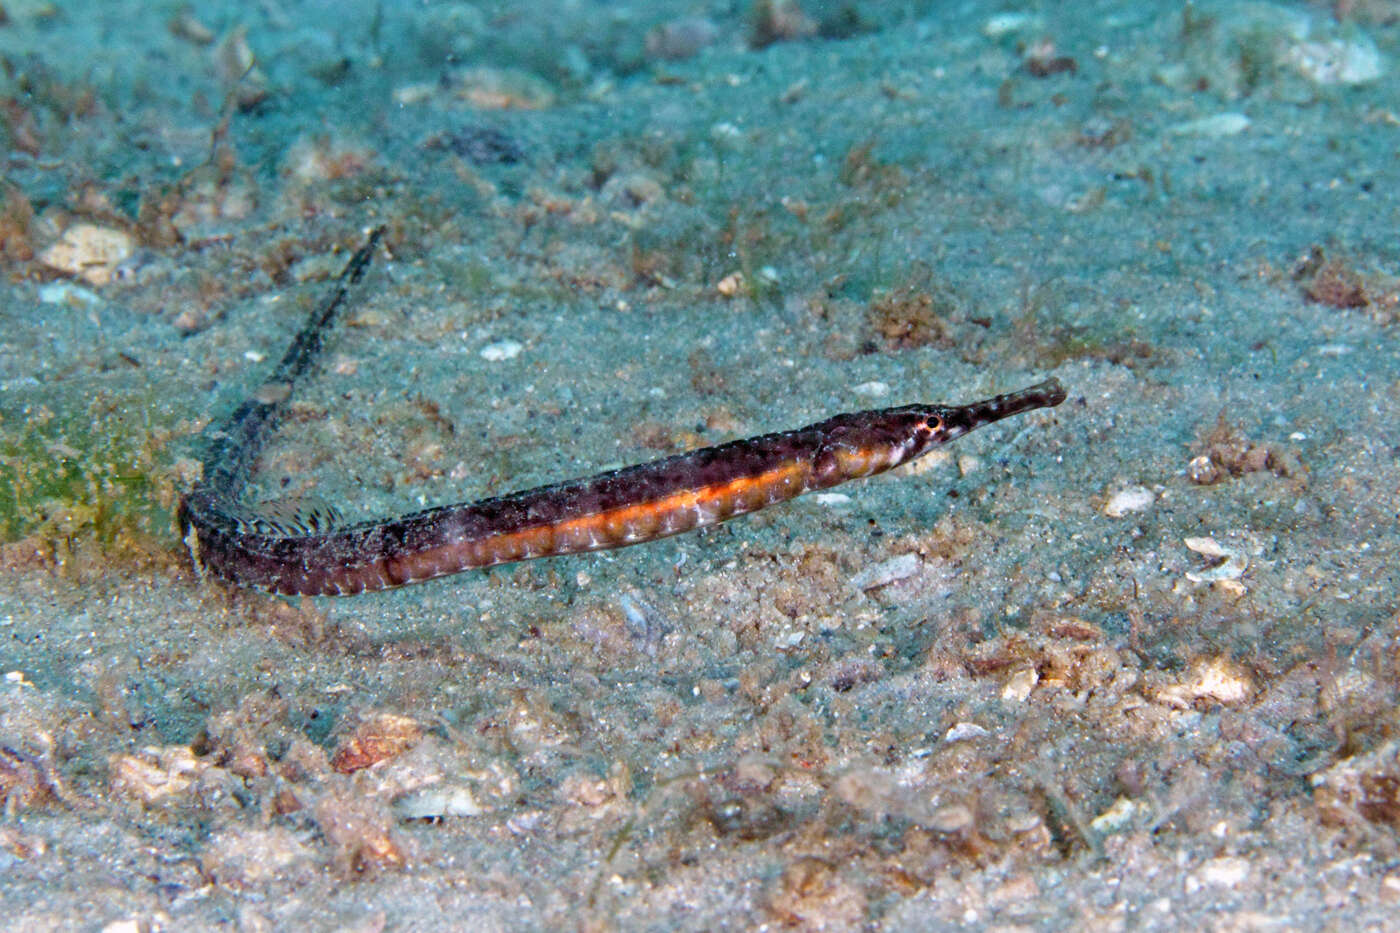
x=312, y=556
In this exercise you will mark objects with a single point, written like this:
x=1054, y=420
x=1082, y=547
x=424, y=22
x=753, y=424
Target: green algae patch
x=86, y=478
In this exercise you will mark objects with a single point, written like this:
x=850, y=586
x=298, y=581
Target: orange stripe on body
x=609, y=529
x=647, y=519
x=721, y=500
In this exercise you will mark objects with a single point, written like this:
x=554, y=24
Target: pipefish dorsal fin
x=293, y=516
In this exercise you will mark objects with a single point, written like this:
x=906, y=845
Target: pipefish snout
x=310, y=556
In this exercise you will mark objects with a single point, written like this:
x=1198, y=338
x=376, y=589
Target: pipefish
x=314, y=554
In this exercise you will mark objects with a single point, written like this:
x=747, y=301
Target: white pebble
x=66, y=293
x=1116, y=817
x=1207, y=546
x=1019, y=685
x=1004, y=24
x=789, y=640
x=436, y=802
x=886, y=572
x=1132, y=499
x=1338, y=61
x=1212, y=679
x=1220, y=679
x=964, y=730
x=501, y=350
x=88, y=251
x=1227, y=871
x=1222, y=124
x=1232, y=568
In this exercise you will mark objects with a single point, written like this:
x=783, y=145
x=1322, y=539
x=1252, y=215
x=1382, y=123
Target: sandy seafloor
x=1128, y=664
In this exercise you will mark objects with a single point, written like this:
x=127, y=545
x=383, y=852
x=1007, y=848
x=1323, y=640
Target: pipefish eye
x=925, y=430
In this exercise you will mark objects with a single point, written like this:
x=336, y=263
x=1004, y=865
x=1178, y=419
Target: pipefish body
x=311, y=555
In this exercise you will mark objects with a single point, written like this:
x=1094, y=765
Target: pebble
x=1203, y=472
x=501, y=350
x=1220, y=679
x=1217, y=679
x=1005, y=24
x=66, y=293
x=378, y=737
x=525, y=822
x=409, y=94
x=731, y=285
x=1231, y=569
x=499, y=88
x=964, y=730
x=316, y=268
x=1132, y=499
x=154, y=773
x=1115, y=818
x=886, y=572
x=1354, y=60
x=88, y=251
x=789, y=640
x=933, y=460
x=1020, y=684
x=1215, y=127
x=1227, y=871
x=431, y=803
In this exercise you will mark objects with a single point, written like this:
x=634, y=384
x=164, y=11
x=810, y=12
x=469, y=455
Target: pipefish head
x=956, y=420
x=942, y=424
